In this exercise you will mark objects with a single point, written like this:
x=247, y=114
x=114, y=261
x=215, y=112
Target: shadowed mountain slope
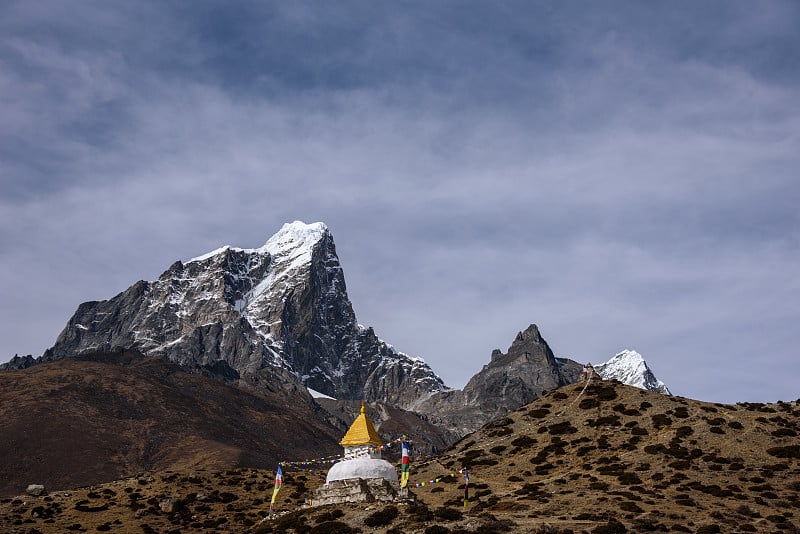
x=76, y=422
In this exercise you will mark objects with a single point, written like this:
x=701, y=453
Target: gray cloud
x=625, y=178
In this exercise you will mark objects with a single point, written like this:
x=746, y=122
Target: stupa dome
x=365, y=468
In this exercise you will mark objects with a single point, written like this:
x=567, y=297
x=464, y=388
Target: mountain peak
x=529, y=335
x=282, y=307
x=293, y=245
x=297, y=232
x=629, y=367
x=295, y=241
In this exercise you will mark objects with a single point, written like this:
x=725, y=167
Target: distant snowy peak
x=294, y=243
x=630, y=368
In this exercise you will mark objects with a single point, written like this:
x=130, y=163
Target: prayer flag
x=405, y=465
x=278, y=484
x=466, y=488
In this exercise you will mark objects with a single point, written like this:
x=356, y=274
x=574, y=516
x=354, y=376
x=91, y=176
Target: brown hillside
x=649, y=461
x=611, y=459
x=74, y=423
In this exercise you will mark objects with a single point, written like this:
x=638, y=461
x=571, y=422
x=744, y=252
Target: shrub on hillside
x=419, y=512
x=505, y=421
x=604, y=393
x=630, y=506
x=606, y=420
x=588, y=403
x=681, y=412
x=562, y=428
x=538, y=413
x=523, y=441
x=629, y=478
x=382, y=517
x=612, y=527
x=332, y=527
x=295, y=521
x=448, y=514
x=329, y=515
x=789, y=451
x=661, y=420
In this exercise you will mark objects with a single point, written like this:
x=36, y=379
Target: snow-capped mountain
x=630, y=368
x=283, y=306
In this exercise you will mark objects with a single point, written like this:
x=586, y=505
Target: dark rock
x=18, y=362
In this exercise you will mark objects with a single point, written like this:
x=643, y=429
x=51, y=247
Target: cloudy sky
x=623, y=174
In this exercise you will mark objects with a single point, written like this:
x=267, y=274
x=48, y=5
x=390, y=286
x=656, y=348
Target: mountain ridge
x=283, y=305
x=280, y=314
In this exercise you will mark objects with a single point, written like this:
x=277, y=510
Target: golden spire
x=361, y=432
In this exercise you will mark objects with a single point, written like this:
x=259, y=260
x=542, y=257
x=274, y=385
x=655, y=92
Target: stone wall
x=354, y=490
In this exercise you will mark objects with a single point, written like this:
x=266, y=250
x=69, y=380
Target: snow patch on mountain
x=629, y=367
x=294, y=241
x=211, y=254
x=293, y=244
x=317, y=395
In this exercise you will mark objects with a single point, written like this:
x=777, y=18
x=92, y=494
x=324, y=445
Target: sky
x=625, y=175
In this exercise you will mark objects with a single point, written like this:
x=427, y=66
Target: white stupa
x=362, y=475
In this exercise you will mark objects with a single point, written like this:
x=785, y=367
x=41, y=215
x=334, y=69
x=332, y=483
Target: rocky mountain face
x=508, y=381
x=279, y=316
x=630, y=368
x=279, y=312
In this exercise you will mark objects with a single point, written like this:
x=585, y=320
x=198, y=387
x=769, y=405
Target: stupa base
x=355, y=490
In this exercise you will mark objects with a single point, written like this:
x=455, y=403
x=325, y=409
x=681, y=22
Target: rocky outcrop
x=275, y=312
x=510, y=380
x=18, y=362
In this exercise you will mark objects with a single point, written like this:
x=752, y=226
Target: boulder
x=35, y=490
